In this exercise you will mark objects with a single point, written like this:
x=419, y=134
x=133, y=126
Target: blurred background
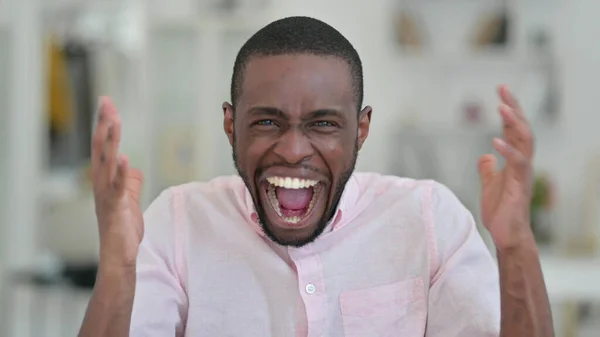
x=431, y=70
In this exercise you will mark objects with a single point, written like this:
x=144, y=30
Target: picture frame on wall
x=494, y=27
x=409, y=29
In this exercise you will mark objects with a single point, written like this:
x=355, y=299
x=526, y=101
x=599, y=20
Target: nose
x=294, y=147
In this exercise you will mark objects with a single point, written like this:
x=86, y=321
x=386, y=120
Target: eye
x=265, y=122
x=324, y=124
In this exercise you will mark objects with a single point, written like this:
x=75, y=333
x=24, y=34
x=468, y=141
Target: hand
x=117, y=190
x=506, y=194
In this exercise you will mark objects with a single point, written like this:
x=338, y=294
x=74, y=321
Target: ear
x=228, y=121
x=364, y=121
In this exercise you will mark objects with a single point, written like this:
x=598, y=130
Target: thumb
x=135, y=180
x=487, y=168
x=128, y=180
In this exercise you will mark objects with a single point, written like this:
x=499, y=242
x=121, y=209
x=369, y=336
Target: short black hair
x=298, y=35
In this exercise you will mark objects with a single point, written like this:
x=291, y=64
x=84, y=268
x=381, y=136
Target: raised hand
x=506, y=193
x=117, y=190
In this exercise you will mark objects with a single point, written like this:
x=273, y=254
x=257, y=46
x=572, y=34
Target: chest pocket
x=392, y=310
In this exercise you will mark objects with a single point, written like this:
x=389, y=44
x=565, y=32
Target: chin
x=299, y=223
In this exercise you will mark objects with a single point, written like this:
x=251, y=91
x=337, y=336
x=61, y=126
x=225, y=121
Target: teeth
x=292, y=183
x=293, y=219
x=301, y=183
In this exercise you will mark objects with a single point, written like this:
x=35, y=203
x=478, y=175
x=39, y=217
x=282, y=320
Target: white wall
x=22, y=119
x=4, y=105
x=565, y=153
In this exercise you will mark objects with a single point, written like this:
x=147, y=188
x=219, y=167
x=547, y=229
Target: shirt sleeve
x=160, y=302
x=464, y=294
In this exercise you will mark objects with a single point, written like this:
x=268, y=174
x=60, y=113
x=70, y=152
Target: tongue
x=294, y=199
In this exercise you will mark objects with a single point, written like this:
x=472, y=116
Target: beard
x=327, y=215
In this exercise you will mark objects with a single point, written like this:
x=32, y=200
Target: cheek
x=250, y=152
x=335, y=149
x=342, y=145
x=332, y=150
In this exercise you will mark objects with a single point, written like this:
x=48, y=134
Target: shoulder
x=167, y=218
x=211, y=188
x=404, y=190
x=430, y=200
x=447, y=223
x=178, y=202
x=395, y=185
x=223, y=189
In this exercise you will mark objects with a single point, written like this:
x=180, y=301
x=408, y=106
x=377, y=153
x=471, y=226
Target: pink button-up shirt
x=401, y=258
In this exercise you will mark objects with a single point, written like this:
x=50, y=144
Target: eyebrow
x=267, y=111
x=275, y=112
x=325, y=113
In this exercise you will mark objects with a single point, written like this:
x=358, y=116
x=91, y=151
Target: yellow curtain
x=60, y=109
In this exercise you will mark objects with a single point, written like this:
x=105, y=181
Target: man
x=300, y=245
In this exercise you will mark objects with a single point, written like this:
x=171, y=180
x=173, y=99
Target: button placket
x=312, y=291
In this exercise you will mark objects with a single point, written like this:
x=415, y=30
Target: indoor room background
x=431, y=70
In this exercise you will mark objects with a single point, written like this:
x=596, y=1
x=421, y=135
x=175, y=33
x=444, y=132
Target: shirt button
x=310, y=288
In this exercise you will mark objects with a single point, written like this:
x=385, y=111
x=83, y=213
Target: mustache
x=262, y=169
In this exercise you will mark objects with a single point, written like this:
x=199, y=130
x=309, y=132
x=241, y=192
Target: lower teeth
x=272, y=195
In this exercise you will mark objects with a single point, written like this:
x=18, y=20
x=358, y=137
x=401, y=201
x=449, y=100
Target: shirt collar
x=347, y=202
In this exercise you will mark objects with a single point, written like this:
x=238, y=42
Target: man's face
x=295, y=138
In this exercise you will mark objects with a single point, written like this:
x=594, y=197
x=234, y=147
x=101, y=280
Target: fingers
x=517, y=162
x=98, y=139
x=487, y=168
x=111, y=145
x=517, y=131
x=127, y=179
x=122, y=172
x=135, y=180
x=510, y=100
x=105, y=145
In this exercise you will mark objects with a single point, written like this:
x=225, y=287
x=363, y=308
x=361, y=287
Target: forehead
x=297, y=83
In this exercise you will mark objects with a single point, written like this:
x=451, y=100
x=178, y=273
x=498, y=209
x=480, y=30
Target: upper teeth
x=294, y=183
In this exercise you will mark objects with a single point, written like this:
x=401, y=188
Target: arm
x=460, y=299
x=505, y=210
x=525, y=305
x=138, y=290
x=120, y=225
x=109, y=310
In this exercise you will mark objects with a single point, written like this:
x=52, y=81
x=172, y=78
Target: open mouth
x=293, y=199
